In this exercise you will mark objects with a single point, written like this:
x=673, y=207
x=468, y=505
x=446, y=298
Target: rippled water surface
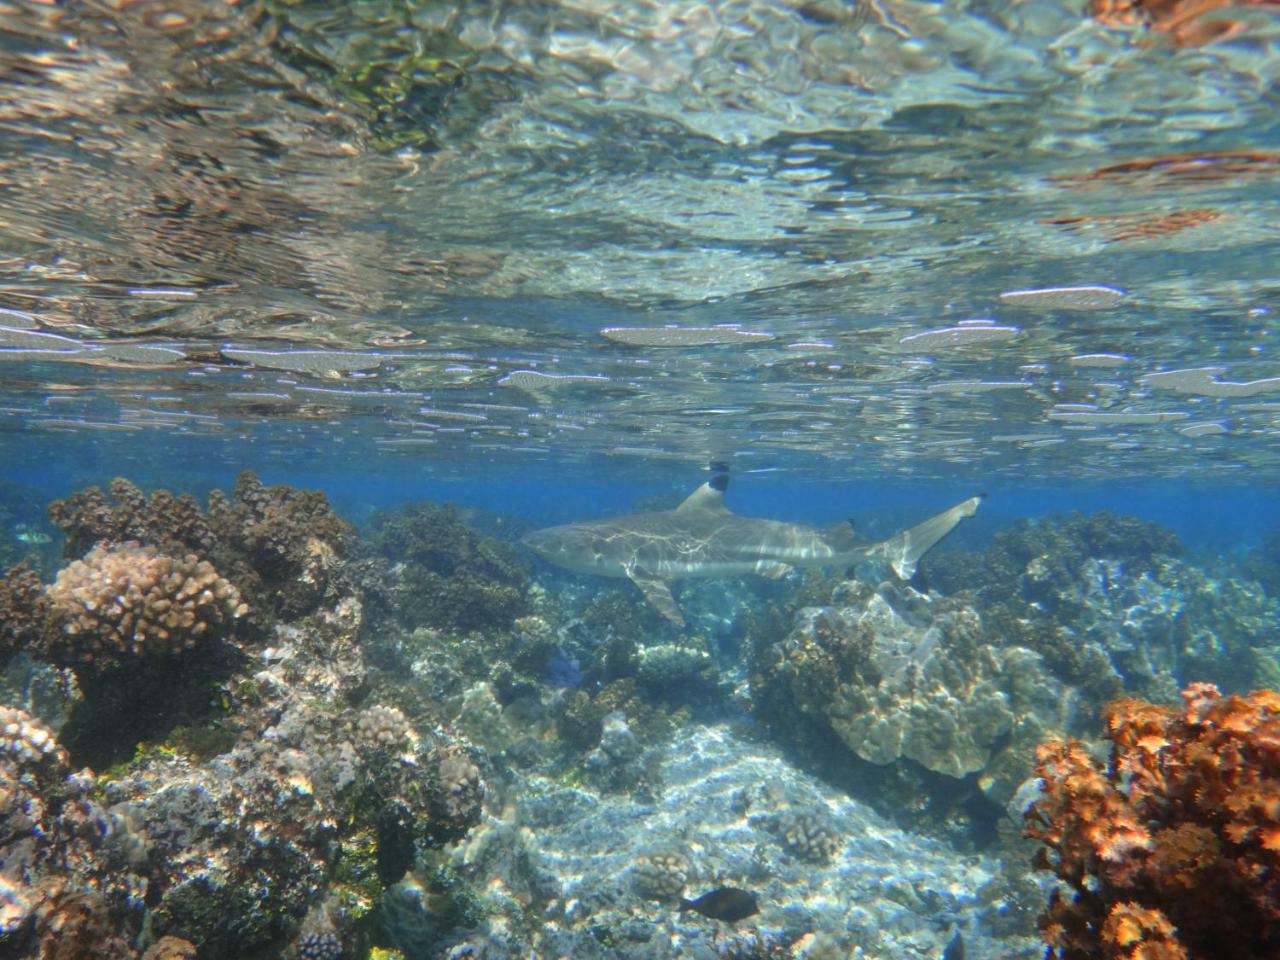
x=792, y=234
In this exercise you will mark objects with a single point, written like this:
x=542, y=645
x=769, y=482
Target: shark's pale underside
x=703, y=538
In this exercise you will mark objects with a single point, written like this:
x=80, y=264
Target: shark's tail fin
x=905, y=550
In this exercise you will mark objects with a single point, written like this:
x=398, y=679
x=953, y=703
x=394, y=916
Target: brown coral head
x=124, y=601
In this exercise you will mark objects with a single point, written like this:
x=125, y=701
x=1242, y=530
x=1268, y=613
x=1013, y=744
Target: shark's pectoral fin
x=773, y=569
x=905, y=550
x=658, y=592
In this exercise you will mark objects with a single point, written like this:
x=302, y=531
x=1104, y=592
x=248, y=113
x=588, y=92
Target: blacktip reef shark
x=703, y=538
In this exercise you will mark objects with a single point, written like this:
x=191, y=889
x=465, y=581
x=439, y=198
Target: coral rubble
x=1171, y=849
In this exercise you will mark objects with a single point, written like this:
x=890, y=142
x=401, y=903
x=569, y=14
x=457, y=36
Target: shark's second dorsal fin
x=708, y=497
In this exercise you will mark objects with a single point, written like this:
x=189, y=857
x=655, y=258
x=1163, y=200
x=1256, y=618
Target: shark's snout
x=540, y=543
x=573, y=547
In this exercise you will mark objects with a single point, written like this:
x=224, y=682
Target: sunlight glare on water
x=893, y=236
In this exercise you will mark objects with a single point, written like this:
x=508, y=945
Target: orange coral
x=1161, y=172
x=1189, y=23
x=1171, y=850
x=1124, y=227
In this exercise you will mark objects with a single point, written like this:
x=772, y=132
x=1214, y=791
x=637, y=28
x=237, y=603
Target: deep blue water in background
x=1215, y=517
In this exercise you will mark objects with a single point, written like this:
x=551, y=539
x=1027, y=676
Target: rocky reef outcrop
x=252, y=797
x=447, y=575
x=895, y=673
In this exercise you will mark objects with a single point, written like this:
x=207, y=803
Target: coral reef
x=53, y=885
x=276, y=544
x=24, y=611
x=895, y=673
x=1039, y=559
x=1171, y=849
x=448, y=575
x=1111, y=605
x=127, y=601
x=282, y=819
x=290, y=538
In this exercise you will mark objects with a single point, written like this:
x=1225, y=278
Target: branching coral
x=126, y=601
x=172, y=524
x=1171, y=851
x=281, y=529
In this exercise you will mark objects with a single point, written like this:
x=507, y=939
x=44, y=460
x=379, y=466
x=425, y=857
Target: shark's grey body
x=702, y=538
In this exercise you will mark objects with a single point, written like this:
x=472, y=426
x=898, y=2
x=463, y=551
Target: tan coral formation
x=385, y=727
x=126, y=600
x=895, y=673
x=24, y=738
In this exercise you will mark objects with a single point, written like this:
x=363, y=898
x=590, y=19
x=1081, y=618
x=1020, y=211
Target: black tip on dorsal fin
x=719, y=483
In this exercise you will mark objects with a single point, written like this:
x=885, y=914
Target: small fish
x=728, y=904
x=25, y=534
x=955, y=949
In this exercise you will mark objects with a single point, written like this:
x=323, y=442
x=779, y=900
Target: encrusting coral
x=126, y=600
x=1171, y=850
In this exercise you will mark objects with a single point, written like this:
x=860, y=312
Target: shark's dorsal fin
x=708, y=497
